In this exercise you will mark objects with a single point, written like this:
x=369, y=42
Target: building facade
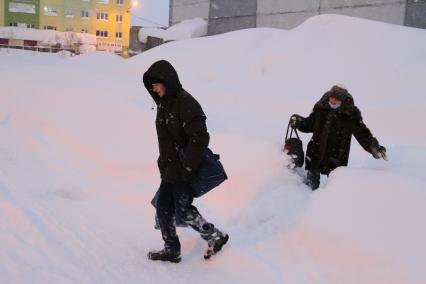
x=135, y=46
x=416, y=14
x=112, y=24
x=224, y=15
x=2, y=13
x=109, y=20
x=21, y=13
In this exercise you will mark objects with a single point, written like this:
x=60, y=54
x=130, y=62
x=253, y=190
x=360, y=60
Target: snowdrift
x=186, y=29
x=78, y=160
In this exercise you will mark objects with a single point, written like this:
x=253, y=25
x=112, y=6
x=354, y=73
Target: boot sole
x=173, y=260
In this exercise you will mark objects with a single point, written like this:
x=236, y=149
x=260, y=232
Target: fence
x=48, y=49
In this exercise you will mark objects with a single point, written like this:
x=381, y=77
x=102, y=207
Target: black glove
x=379, y=152
x=295, y=120
x=187, y=174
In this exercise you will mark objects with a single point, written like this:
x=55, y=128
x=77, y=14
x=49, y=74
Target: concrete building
x=135, y=46
x=226, y=15
x=415, y=15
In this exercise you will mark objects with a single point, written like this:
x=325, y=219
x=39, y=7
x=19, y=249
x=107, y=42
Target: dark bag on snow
x=293, y=146
x=209, y=174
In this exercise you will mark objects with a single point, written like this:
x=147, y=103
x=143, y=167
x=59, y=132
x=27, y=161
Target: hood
x=162, y=71
x=347, y=102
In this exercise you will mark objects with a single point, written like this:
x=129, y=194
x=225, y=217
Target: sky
x=150, y=13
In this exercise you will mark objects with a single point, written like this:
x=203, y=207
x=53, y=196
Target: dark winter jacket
x=332, y=132
x=180, y=122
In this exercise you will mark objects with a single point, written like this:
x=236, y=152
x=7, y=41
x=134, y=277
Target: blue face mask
x=336, y=106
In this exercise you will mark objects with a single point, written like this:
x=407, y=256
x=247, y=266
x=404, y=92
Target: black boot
x=313, y=179
x=166, y=254
x=216, y=244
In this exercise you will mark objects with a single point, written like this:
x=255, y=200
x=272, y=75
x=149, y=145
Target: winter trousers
x=177, y=199
x=313, y=176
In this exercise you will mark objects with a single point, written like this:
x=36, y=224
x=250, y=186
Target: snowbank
x=186, y=29
x=79, y=148
x=48, y=37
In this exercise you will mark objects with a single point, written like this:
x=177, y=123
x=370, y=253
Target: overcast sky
x=150, y=13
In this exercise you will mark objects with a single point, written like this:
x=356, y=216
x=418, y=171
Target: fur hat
x=338, y=92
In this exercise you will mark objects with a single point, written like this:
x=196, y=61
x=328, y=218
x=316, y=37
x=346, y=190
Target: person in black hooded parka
x=333, y=121
x=181, y=124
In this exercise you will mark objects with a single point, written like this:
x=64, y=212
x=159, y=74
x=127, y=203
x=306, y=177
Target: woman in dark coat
x=181, y=124
x=333, y=121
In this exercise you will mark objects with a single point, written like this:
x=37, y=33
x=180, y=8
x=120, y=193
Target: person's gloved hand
x=187, y=174
x=379, y=152
x=295, y=120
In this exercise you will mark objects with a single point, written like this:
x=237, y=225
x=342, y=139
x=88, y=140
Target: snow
x=48, y=37
x=186, y=29
x=79, y=148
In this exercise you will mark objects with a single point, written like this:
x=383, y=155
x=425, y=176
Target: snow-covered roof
x=186, y=29
x=47, y=36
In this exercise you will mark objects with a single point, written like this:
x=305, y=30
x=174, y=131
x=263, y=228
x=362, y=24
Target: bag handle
x=291, y=132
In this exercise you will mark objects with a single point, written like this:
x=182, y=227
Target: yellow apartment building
x=112, y=24
x=109, y=20
x=51, y=16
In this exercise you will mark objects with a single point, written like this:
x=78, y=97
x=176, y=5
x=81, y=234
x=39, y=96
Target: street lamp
x=134, y=4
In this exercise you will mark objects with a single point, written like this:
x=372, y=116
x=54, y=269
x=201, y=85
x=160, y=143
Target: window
x=119, y=35
x=15, y=7
x=30, y=26
x=50, y=28
x=85, y=14
x=120, y=2
x=30, y=42
x=102, y=16
x=69, y=14
x=50, y=11
x=84, y=31
x=119, y=18
x=103, y=34
x=13, y=24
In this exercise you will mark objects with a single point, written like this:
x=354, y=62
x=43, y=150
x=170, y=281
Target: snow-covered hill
x=78, y=160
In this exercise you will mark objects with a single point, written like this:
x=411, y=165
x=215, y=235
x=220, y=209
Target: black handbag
x=293, y=146
x=210, y=173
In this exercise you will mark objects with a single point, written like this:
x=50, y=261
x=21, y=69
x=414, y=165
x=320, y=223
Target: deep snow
x=78, y=160
x=186, y=29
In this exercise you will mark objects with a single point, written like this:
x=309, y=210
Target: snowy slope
x=78, y=160
x=186, y=29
